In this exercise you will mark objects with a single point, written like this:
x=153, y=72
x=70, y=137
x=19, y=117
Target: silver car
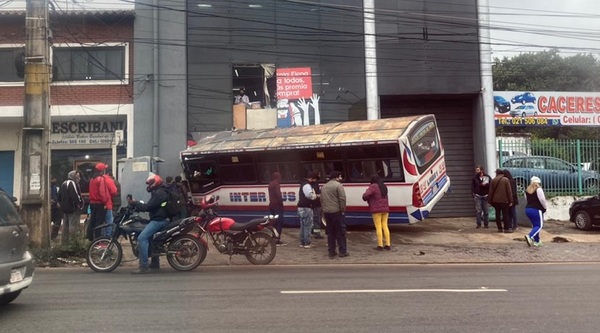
x=524, y=111
x=16, y=263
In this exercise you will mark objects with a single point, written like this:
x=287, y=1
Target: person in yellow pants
x=376, y=196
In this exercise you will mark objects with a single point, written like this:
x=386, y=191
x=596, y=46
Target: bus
x=406, y=152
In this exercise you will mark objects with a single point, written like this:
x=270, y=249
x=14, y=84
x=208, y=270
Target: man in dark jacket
x=317, y=210
x=480, y=186
x=276, y=204
x=500, y=196
x=159, y=219
x=71, y=203
x=55, y=215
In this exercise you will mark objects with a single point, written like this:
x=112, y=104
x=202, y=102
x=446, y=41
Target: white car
x=524, y=111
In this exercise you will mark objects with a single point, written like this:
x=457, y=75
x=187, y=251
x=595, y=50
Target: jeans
x=381, y=228
x=306, y=221
x=279, y=222
x=144, y=241
x=481, y=209
x=108, y=220
x=537, y=220
x=336, y=232
x=317, y=224
x=512, y=216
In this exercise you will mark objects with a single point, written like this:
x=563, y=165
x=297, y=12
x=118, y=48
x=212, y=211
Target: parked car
x=16, y=263
x=557, y=175
x=501, y=105
x=523, y=98
x=585, y=213
x=524, y=111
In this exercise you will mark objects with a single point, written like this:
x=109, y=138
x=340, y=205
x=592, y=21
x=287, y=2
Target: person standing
x=111, y=189
x=242, y=98
x=306, y=197
x=55, y=214
x=99, y=200
x=480, y=186
x=500, y=197
x=376, y=196
x=316, y=208
x=71, y=203
x=535, y=209
x=276, y=205
x=512, y=210
x=333, y=202
x=159, y=218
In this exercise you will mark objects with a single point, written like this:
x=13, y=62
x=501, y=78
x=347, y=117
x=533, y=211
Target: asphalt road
x=333, y=298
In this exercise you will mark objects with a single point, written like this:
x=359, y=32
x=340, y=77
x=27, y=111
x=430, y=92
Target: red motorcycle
x=253, y=239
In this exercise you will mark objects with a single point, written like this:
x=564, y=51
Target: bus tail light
x=417, y=200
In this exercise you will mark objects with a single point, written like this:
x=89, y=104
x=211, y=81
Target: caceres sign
x=530, y=108
x=84, y=132
x=294, y=83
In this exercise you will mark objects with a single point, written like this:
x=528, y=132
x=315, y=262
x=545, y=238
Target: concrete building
x=91, y=91
x=431, y=57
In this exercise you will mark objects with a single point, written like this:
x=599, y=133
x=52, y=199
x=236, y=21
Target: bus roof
x=327, y=135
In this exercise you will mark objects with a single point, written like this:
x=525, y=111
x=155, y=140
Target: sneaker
x=387, y=248
x=309, y=246
x=301, y=246
x=478, y=226
x=345, y=254
x=378, y=248
x=529, y=240
x=280, y=243
x=318, y=236
x=332, y=255
x=537, y=244
x=144, y=270
x=508, y=231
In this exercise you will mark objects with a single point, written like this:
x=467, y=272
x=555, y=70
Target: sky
x=516, y=26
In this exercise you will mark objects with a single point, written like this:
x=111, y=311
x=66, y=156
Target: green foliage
x=59, y=255
x=548, y=71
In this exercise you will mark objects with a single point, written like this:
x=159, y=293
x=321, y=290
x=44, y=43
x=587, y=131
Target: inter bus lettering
x=258, y=196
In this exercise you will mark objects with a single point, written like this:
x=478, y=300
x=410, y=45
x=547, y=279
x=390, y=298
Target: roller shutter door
x=456, y=130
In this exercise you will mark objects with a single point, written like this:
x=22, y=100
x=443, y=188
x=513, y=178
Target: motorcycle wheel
x=102, y=256
x=261, y=249
x=185, y=253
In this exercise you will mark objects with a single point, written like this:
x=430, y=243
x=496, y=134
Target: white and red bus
x=406, y=152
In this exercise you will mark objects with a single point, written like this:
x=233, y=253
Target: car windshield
x=8, y=213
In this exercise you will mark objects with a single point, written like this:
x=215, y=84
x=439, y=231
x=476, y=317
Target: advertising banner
x=543, y=108
x=84, y=132
x=294, y=83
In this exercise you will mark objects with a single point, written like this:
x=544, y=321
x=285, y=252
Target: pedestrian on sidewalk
x=535, y=209
x=55, y=209
x=71, y=202
x=306, y=196
x=333, y=201
x=500, y=197
x=512, y=210
x=376, y=196
x=317, y=210
x=480, y=186
x=276, y=205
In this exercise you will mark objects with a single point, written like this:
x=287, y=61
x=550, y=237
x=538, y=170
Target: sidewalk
x=437, y=241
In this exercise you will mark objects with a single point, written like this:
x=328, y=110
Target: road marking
x=366, y=291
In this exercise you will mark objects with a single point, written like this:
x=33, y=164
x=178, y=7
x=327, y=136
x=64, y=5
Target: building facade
x=91, y=93
x=430, y=58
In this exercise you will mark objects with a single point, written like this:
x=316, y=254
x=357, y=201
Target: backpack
x=171, y=206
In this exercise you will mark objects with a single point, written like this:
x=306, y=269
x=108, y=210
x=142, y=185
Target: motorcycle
x=183, y=251
x=253, y=239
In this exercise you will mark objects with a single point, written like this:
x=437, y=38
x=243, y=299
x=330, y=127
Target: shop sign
x=294, y=83
x=84, y=132
x=529, y=108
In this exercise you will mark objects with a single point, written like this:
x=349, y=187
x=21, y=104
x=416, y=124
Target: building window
x=8, y=70
x=89, y=63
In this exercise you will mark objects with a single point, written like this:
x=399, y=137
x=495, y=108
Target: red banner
x=294, y=83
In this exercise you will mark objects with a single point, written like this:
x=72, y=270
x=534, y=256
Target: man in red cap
x=101, y=192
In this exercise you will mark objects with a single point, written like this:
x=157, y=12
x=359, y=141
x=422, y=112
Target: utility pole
x=35, y=205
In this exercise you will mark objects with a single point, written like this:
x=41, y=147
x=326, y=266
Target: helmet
x=153, y=182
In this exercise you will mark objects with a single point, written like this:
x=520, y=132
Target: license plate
x=16, y=275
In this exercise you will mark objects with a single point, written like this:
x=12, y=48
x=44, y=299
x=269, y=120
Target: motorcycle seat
x=248, y=225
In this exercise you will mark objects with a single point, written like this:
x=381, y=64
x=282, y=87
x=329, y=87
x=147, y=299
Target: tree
x=548, y=71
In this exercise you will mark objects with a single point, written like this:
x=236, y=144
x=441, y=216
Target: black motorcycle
x=184, y=252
